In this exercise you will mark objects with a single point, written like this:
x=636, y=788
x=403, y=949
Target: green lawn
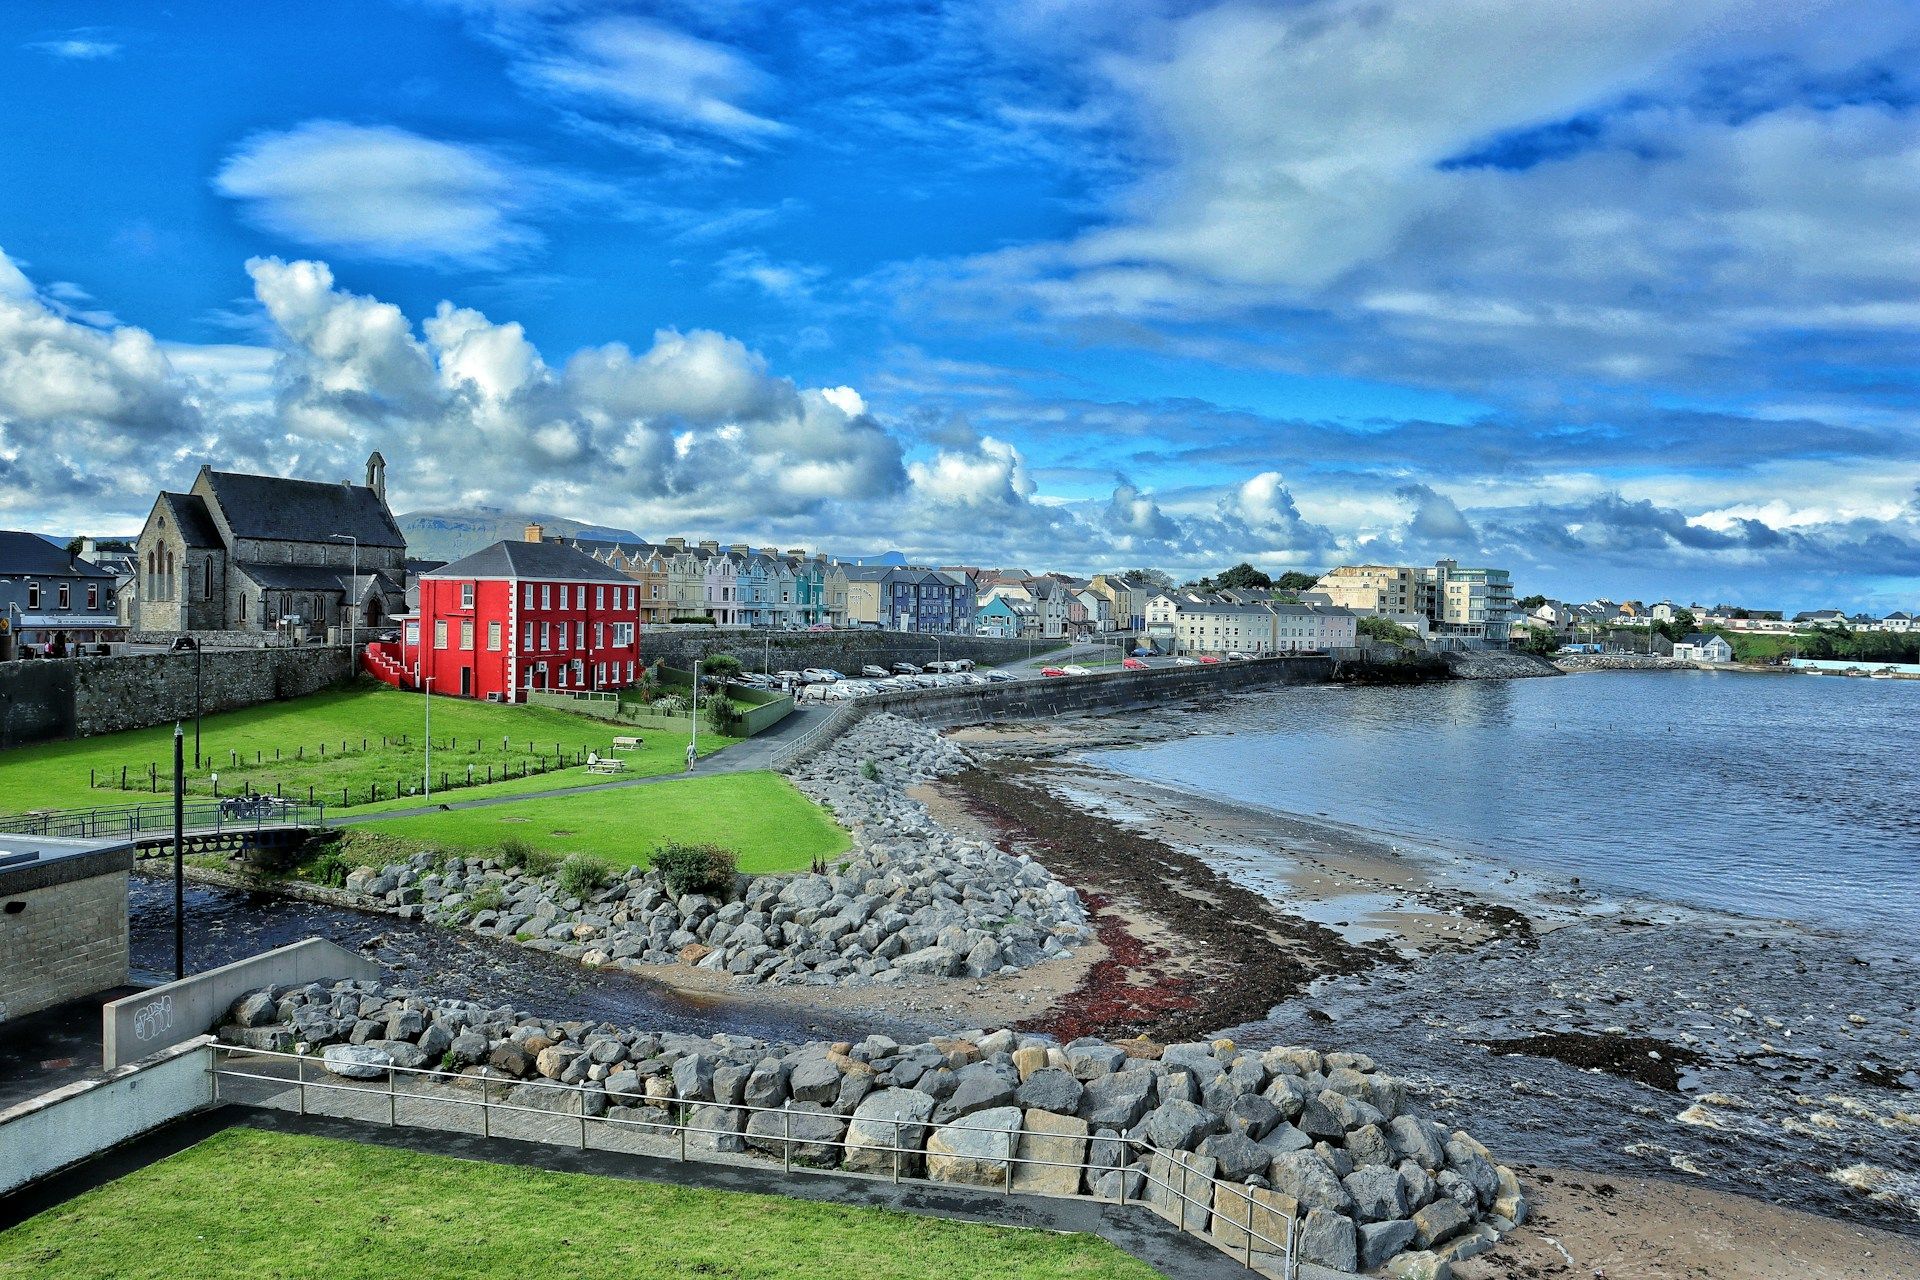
x=249, y=1205
x=317, y=742
x=769, y=825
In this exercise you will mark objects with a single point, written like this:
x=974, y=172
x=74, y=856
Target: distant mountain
x=886, y=559
x=448, y=535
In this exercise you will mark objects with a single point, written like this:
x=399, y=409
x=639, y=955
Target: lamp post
x=426, y=692
x=196, y=700
x=353, y=585
x=693, y=743
x=179, y=851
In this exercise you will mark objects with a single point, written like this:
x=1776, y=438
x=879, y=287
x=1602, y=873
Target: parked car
x=872, y=672
x=1052, y=672
x=1184, y=661
x=1237, y=656
x=788, y=676
x=183, y=644
x=1209, y=661
x=962, y=664
x=1073, y=670
x=1000, y=677
x=818, y=675
x=905, y=669
x=1133, y=664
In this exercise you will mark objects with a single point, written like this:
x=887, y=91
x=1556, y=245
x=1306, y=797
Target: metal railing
x=838, y=721
x=1261, y=1235
x=237, y=813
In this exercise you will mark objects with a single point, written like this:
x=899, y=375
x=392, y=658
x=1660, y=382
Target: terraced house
x=907, y=598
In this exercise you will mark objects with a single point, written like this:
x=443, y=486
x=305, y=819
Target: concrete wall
x=140, y=1025
x=63, y=930
x=46, y=1134
x=47, y=700
x=845, y=651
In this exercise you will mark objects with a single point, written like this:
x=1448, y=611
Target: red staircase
x=381, y=660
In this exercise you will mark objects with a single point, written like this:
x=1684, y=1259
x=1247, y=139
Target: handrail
x=236, y=813
x=1211, y=1187
x=836, y=723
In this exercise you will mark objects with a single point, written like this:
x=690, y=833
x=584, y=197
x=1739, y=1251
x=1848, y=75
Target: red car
x=1209, y=662
x=1133, y=664
x=1051, y=672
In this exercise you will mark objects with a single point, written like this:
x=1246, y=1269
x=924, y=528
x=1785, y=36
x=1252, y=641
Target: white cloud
x=78, y=47
x=377, y=191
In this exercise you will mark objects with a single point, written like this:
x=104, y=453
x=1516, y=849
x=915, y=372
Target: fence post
x=393, y=1103
x=899, y=1140
x=486, y=1105
x=786, y=1144
x=300, y=1068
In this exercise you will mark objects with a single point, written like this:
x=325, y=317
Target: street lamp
x=179, y=852
x=426, y=692
x=693, y=743
x=353, y=584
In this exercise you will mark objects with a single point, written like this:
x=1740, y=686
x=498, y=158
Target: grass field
x=317, y=742
x=248, y=1205
x=770, y=826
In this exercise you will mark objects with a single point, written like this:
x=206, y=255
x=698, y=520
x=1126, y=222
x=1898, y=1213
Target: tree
x=1387, y=631
x=1152, y=577
x=74, y=545
x=1294, y=580
x=1530, y=603
x=1685, y=620
x=1242, y=576
x=1539, y=640
x=719, y=668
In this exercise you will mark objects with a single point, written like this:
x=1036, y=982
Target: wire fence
x=1255, y=1228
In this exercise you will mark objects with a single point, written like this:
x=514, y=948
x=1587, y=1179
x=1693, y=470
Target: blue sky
x=1624, y=296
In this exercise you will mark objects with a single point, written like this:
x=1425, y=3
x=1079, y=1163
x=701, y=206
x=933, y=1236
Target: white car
x=819, y=675
x=1076, y=671
x=872, y=672
x=1186, y=662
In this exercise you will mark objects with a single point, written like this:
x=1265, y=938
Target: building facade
x=520, y=616
x=53, y=601
x=240, y=552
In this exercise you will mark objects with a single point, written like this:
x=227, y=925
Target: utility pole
x=426, y=692
x=196, y=702
x=179, y=851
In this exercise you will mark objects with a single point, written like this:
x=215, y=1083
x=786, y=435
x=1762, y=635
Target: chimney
x=678, y=544
x=739, y=548
x=769, y=551
x=798, y=552
x=709, y=545
x=534, y=533
x=377, y=475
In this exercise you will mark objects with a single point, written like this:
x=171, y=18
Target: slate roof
x=30, y=555
x=188, y=511
x=552, y=561
x=1699, y=638
x=293, y=577
x=282, y=510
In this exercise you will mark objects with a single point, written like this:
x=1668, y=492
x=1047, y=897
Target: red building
x=518, y=616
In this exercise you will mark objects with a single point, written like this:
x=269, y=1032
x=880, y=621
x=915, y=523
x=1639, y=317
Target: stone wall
x=51, y=699
x=845, y=651
x=68, y=935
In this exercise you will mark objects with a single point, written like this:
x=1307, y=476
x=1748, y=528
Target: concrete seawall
x=845, y=651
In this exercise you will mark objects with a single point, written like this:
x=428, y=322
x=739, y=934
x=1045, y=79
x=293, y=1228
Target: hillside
x=448, y=535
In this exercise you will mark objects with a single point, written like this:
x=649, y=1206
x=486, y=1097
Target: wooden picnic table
x=628, y=743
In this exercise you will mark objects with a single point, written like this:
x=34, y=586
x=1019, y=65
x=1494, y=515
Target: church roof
x=189, y=514
x=278, y=509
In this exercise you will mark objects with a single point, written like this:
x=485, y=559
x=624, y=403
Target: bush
x=331, y=869
x=515, y=852
x=695, y=868
x=581, y=877
x=725, y=715
x=489, y=898
x=869, y=770
x=671, y=705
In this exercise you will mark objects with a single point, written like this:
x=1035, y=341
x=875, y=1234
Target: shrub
x=869, y=770
x=330, y=868
x=671, y=705
x=695, y=868
x=489, y=898
x=515, y=852
x=580, y=876
x=725, y=715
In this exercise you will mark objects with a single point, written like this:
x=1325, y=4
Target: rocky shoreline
x=1287, y=1132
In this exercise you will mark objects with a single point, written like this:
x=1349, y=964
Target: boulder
x=1327, y=1240
x=1380, y=1241
x=1058, y=1146
x=716, y=1128
x=1116, y=1101
x=815, y=1078
x=1377, y=1193
x=809, y=1129
x=932, y=962
x=766, y=1084
x=1419, y=1266
x=1028, y=1059
x=1268, y=1213
x=886, y=1119
x=693, y=1077
x=1050, y=1089
x=1438, y=1222
x=1413, y=1138
x=975, y=1149
x=510, y=1059
x=1309, y=1179
x=1239, y=1156
x=356, y=1061
x=1179, y=1126
x=256, y=1010
x=981, y=1086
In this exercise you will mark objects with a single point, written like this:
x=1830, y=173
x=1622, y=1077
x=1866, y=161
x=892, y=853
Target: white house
x=1702, y=647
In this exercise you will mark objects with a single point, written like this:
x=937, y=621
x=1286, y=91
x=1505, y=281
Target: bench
x=627, y=744
x=607, y=766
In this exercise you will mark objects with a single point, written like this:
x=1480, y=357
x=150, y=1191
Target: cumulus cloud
x=377, y=191
x=84, y=45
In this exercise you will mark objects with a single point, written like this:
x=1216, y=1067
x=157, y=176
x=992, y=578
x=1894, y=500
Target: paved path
x=750, y=756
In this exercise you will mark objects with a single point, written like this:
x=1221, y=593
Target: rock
x=1119, y=1184
x=974, y=1150
x=1050, y=1090
x=1327, y=1239
x=815, y=1078
x=468, y=1048
x=1254, y=1116
x=1179, y=1126
x=693, y=1077
x=982, y=1086
x=1510, y=1202
x=1438, y=1223
x=356, y=1061
x=1091, y=1059
x=810, y=1127
x=1380, y=1241
x=766, y=1084
x=935, y=962
x=1059, y=1144
x=886, y=1119
x=256, y=1010
x=1284, y=1139
x=715, y=1128
x=1413, y=1138
x=1239, y=1156
x=1377, y=1193
x=1308, y=1179
x=553, y=1062
x=1268, y=1213
x=1368, y=1145
x=1419, y=1266
x=1028, y=1060
x=1115, y=1101
x=510, y=1059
